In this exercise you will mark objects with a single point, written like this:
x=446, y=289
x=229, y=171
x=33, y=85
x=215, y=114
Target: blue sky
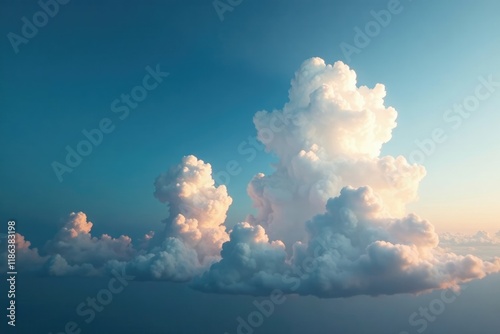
x=221, y=73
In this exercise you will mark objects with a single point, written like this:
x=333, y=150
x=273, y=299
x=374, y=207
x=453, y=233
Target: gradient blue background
x=221, y=73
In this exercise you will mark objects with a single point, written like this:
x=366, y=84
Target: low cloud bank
x=330, y=221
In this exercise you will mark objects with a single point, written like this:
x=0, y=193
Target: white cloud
x=353, y=248
x=328, y=139
x=197, y=207
x=194, y=232
x=250, y=263
x=75, y=243
x=328, y=136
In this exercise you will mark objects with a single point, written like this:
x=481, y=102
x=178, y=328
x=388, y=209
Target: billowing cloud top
x=330, y=219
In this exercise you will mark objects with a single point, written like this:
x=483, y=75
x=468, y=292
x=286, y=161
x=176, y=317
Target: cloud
x=328, y=139
x=173, y=260
x=330, y=220
x=27, y=257
x=57, y=265
x=250, y=263
x=328, y=136
x=190, y=242
x=72, y=251
x=194, y=232
x=75, y=243
x=482, y=243
x=197, y=207
x=357, y=249
x=480, y=238
x=353, y=248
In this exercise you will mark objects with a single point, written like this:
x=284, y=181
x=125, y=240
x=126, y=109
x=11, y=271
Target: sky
x=184, y=162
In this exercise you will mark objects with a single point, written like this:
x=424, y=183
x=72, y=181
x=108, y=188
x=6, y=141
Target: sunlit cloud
x=330, y=220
